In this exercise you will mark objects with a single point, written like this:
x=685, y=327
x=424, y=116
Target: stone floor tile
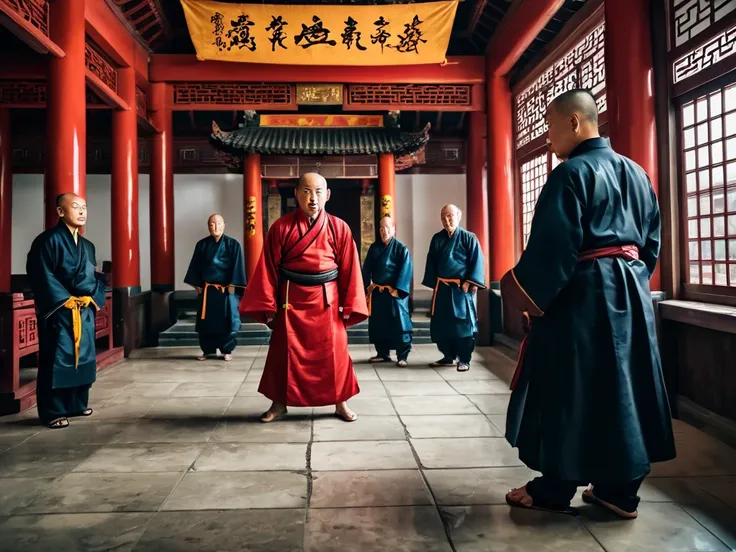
x=450, y=425
x=351, y=489
x=141, y=457
x=430, y=406
x=459, y=487
x=29, y=460
x=497, y=404
x=18, y=492
x=698, y=454
x=418, y=388
x=419, y=373
x=234, y=429
x=151, y=430
x=362, y=455
x=251, y=457
x=369, y=428
x=465, y=453
x=206, y=389
x=81, y=431
x=481, y=387
x=362, y=406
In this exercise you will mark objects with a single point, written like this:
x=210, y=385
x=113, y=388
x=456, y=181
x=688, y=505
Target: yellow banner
x=393, y=34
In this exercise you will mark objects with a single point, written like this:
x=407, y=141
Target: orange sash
x=447, y=282
x=219, y=287
x=371, y=288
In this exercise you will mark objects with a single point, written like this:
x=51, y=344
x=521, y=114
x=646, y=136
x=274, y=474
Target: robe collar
x=73, y=234
x=589, y=145
x=303, y=216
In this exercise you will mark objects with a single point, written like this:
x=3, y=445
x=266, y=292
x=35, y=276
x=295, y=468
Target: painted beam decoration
x=393, y=34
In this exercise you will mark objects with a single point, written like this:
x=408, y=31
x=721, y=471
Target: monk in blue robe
x=67, y=292
x=589, y=404
x=387, y=274
x=454, y=271
x=217, y=272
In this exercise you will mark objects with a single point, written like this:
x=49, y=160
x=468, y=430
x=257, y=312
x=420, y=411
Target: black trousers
x=209, y=343
x=548, y=492
x=457, y=349
x=402, y=346
x=60, y=402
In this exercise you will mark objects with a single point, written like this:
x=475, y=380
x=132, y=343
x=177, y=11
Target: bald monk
x=387, y=274
x=454, y=271
x=589, y=403
x=217, y=272
x=67, y=292
x=308, y=288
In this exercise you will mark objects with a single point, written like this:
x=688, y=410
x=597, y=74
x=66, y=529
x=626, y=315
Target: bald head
x=387, y=229
x=312, y=193
x=72, y=209
x=451, y=217
x=216, y=225
x=572, y=118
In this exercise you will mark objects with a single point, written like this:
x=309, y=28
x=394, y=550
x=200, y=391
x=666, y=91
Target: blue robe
x=590, y=402
x=59, y=269
x=218, y=262
x=457, y=257
x=388, y=265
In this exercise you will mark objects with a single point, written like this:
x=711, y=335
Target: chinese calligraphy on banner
x=394, y=34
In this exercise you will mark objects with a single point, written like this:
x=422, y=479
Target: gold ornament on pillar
x=386, y=206
x=250, y=217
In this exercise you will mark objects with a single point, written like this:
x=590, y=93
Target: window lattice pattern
x=36, y=12
x=409, y=94
x=140, y=102
x=582, y=67
x=692, y=17
x=533, y=177
x=23, y=92
x=709, y=173
x=234, y=93
x=100, y=67
x=707, y=55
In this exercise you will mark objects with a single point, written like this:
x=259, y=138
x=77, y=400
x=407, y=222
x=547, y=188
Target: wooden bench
x=19, y=340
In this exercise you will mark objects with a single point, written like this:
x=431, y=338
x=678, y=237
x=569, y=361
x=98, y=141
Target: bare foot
x=344, y=413
x=228, y=357
x=274, y=413
x=201, y=357
x=520, y=496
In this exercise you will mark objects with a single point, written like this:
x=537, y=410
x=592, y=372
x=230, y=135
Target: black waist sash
x=308, y=279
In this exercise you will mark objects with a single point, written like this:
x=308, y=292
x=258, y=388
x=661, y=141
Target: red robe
x=308, y=363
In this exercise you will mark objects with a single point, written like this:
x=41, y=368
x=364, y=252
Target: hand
x=231, y=289
x=199, y=290
x=466, y=287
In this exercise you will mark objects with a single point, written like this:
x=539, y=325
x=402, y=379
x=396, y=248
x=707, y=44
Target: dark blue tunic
x=59, y=269
x=590, y=404
x=388, y=265
x=454, y=257
x=218, y=262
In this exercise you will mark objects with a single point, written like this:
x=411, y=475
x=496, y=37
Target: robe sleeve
x=238, y=275
x=551, y=255
x=48, y=292
x=430, y=274
x=260, y=299
x=193, y=276
x=650, y=252
x=474, y=268
x=349, y=279
x=368, y=267
x=98, y=290
x=406, y=272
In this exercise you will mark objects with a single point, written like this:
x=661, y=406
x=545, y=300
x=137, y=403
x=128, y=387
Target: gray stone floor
x=174, y=459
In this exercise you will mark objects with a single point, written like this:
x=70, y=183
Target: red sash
x=628, y=252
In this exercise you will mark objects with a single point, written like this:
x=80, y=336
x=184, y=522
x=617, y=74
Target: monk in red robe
x=308, y=288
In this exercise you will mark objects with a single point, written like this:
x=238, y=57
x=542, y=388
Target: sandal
x=58, y=423
x=590, y=498
x=378, y=359
x=201, y=358
x=269, y=416
x=442, y=362
x=228, y=357
x=519, y=503
x=345, y=418
x=462, y=367
x=402, y=364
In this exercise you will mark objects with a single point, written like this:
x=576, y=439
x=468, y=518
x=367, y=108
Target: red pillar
x=125, y=241
x=477, y=192
x=162, y=192
x=500, y=177
x=66, y=120
x=6, y=200
x=253, y=210
x=386, y=186
x=630, y=87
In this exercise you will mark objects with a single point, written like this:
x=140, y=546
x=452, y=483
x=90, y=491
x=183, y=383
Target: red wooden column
x=477, y=192
x=630, y=87
x=253, y=212
x=386, y=186
x=66, y=118
x=126, y=262
x=162, y=192
x=6, y=200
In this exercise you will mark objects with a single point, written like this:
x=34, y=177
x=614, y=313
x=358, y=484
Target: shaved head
x=572, y=118
x=72, y=209
x=312, y=178
x=386, y=229
x=214, y=216
x=312, y=193
x=451, y=217
x=216, y=225
x=68, y=197
x=577, y=101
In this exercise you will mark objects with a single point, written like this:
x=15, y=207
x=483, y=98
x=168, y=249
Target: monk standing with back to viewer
x=308, y=288
x=589, y=403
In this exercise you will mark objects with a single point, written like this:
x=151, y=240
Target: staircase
x=183, y=334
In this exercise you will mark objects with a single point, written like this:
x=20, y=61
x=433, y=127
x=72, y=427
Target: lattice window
x=23, y=92
x=234, y=93
x=692, y=17
x=409, y=94
x=97, y=64
x=581, y=67
x=717, y=48
x=708, y=138
x=36, y=12
x=533, y=176
x=140, y=102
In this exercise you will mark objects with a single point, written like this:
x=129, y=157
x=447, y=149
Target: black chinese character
x=239, y=35
x=217, y=19
x=278, y=35
x=351, y=35
x=411, y=38
x=313, y=35
x=381, y=35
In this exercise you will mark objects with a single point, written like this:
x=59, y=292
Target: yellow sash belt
x=219, y=287
x=372, y=287
x=76, y=304
x=447, y=282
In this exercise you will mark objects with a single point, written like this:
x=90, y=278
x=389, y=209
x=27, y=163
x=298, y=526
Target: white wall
x=419, y=199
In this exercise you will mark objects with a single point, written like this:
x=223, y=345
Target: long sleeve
x=405, y=274
x=430, y=274
x=260, y=300
x=349, y=279
x=650, y=252
x=237, y=277
x=368, y=267
x=475, y=269
x=48, y=292
x=193, y=276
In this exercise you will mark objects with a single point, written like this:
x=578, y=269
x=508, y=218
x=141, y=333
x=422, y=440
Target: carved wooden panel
x=691, y=17
x=533, y=177
x=101, y=319
x=717, y=48
x=409, y=94
x=30, y=93
x=97, y=64
x=234, y=93
x=583, y=66
x=27, y=329
x=36, y=12
x=140, y=102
